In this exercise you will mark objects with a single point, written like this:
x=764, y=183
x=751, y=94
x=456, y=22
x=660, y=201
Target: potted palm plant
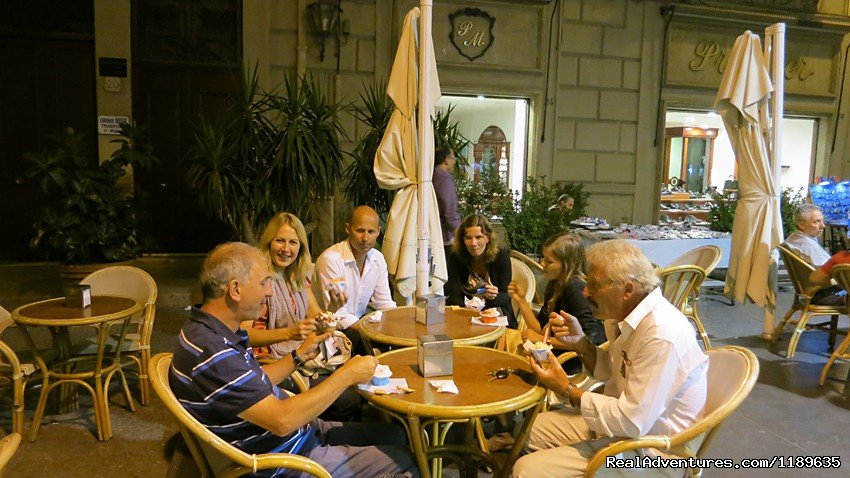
x=269, y=153
x=89, y=217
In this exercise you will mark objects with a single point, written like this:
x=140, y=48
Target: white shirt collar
x=643, y=309
x=348, y=255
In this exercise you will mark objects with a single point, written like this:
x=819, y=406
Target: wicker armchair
x=214, y=456
x=732, y=373
x=841, y=274
x=707, y=258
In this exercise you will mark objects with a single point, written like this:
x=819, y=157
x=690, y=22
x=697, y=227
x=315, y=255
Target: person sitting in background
x=355, y=267
x=564, y=266
x=291, y=311
x=565, y=203
x=655, y=372
x=218, y=381
x=804, y=242
x=477, y=266
x=446, y=192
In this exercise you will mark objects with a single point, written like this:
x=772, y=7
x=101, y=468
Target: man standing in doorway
x=446, y=191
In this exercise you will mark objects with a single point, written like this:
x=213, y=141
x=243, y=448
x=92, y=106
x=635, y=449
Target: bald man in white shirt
x=355, y=266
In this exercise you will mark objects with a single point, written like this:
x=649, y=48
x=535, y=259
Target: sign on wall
x=472, y=32
x=111, y=124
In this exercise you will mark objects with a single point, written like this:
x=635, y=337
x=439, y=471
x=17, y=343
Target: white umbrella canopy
x=405, y=162
x=757, y=228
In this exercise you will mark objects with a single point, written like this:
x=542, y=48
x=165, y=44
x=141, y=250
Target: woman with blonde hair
x=564, y=266
x=478, y=267
x=290, y=313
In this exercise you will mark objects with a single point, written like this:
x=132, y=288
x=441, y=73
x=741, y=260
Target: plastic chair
x=799, y=271
x=523, y=276
x=841, y=274
x=678, y=284
x=214, y=456
x=732, y=373
x=706, y=257
x=8, y=446
x=9, y=362
x=127, y=281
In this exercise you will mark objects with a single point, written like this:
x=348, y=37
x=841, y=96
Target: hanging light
x=326, y=19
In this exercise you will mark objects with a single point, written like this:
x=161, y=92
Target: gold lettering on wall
x=477, y=40
x=464, y=28
x=709, y=53
x=797, y=67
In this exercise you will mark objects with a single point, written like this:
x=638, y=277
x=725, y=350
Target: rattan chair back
x=214, y=456
x=679, y=282
x=128, y=281
x=523, y=276
x=732, y=373
x=705, y=257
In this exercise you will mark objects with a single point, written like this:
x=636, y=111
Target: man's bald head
x=361, y=213
x=363, y=228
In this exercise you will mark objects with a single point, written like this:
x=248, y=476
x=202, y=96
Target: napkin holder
x=78, y=296
x=435, y=355
x=430, y=309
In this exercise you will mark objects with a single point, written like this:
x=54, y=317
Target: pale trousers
x=561, y=444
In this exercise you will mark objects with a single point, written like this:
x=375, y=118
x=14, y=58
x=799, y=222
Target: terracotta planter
x=72, y=274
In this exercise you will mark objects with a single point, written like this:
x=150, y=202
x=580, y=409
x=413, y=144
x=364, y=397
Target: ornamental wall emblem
x=472, y=32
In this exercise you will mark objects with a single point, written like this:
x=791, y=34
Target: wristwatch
x=567, y=394
x=298, y=361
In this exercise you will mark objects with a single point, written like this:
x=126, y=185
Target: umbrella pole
x=774, y=47
x=423, y=266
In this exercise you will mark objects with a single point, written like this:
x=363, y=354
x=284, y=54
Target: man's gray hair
x=623, y=262
x=801, y=212
x=228, y=261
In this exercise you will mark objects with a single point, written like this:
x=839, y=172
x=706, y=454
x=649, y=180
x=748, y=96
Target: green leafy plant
x=721, y=213
x=269, y=153
x=789, y=199
x=89, y=218
x=447, y=133
x=360, y=184
x=530, y=220
x=489, y=197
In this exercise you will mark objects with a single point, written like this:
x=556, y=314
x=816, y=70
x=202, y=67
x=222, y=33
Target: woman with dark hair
x=478, y=267
x=564, y=266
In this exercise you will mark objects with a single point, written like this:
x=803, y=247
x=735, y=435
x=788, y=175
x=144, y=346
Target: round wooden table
x=68, y=369
x=478, y=397
x=398, y=328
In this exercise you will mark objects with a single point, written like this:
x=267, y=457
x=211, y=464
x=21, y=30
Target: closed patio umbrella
x=757, y=227
x=405, y=161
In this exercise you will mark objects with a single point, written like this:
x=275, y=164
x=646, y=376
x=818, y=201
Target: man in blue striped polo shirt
x=216, y=378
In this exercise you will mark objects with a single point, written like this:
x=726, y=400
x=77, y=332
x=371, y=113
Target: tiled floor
x=787, y=413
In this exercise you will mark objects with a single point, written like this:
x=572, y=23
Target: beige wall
x=112, y=40
x=604, y=74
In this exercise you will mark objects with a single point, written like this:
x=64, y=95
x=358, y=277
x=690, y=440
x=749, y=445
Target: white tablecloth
x=663, y=252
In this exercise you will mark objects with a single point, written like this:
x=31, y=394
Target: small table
x=104, y=313
x=398, y=328
x=478, y=397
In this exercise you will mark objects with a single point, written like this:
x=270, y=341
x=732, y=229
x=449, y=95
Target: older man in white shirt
x=654, y=372
x=354, y=266
x=804, y=241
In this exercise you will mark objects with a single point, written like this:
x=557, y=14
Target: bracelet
x=298, y=361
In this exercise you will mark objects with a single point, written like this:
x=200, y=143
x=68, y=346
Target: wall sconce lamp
x=328, y=21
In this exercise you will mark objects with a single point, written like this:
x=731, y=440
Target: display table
x=662, y=252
